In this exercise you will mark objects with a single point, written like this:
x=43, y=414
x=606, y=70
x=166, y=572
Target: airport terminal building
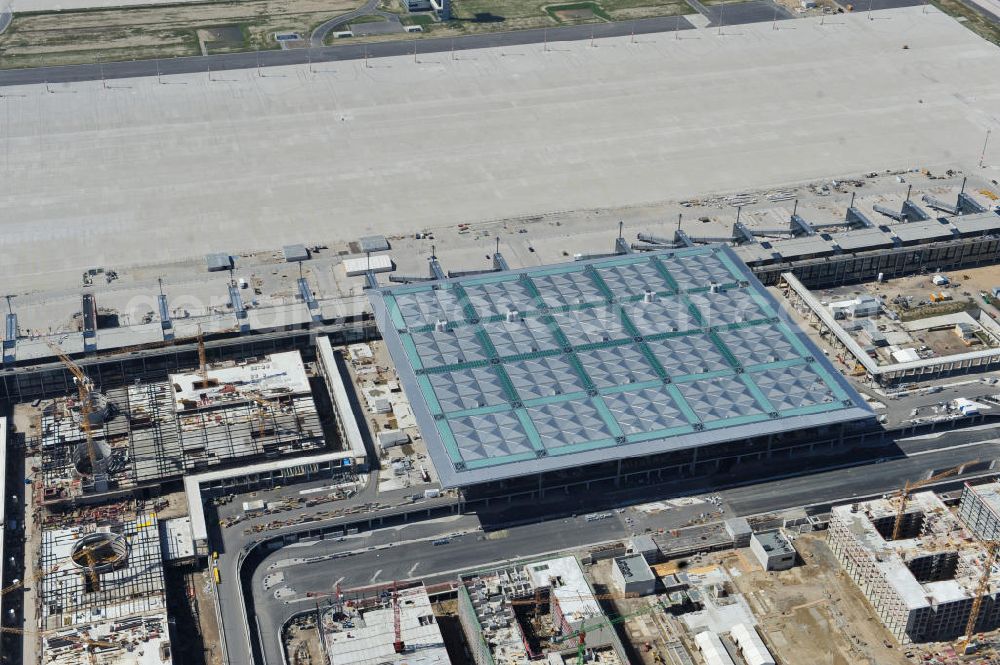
x=610, y=372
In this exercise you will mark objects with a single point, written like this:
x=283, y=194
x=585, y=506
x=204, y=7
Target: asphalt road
x=418, y=559
x=250, y=60
x=319, y=34
x=413, y=555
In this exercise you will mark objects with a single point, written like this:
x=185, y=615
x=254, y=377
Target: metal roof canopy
x=804, y=246
x=930, y=229
x=373, y=244
x=295, y=253
x=862, y=239
x=976, y=224
x=525, y=371
x=219, y=261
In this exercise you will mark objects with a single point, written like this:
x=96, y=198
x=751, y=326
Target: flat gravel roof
x=524, y=371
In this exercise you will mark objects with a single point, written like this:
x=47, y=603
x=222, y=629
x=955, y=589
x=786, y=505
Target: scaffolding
x=922, y=585
x=156, y=433
x=104, y=582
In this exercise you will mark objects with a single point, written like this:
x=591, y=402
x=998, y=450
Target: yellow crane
x=992, y=548
x=263, y=406
x=21, y=631
x=84, y=387
x=92, y=576
x=904, y=494
x=202, y=359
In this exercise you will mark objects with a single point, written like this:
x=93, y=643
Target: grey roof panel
x=524, y=371
x=984, y=222
x=373, y=244
x=930, y=229
x=218, y=261
x=860, y=240
x=295, y=253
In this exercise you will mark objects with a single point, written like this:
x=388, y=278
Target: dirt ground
x=303, y=646
x=200, y=584
x=645, y=636
x=476, y=16
x=451, y=630
x=88, y=36
x=815, y=614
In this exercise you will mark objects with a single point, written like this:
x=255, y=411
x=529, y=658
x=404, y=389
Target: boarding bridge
x=236, y=300
x=307, y=297
x=10, y=340
x=166, y=324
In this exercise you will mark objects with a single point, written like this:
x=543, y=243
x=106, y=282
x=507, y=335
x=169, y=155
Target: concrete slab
x=143, y=173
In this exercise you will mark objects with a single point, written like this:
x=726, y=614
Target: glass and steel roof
x=523, y=371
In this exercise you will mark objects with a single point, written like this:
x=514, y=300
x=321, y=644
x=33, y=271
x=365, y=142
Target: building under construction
x=520, y=614
x=923, y=583
x=101, y=596
x=980, y=510
x=144, y=434
x=396, y=628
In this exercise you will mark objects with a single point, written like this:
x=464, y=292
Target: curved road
x=319, y=34
x=402, y=552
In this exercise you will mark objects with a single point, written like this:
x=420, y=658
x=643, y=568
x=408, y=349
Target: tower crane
x=202, y=359
x=992, y=550
x=13, y=630
x=904, y=494
x=581, y=634
x=263, y=405
x=397, y=621
x=84, y=387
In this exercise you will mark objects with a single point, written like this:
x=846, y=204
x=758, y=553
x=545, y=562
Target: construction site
x=102, y=595
x=890, y=331
x=545, y=609
x=928, y=576
x=108, y=531
x=149, y=433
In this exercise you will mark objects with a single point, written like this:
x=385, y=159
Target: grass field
x=972, y=19
x=86, y=36
x=477, y=16
x=486, y=15
x=165, y=31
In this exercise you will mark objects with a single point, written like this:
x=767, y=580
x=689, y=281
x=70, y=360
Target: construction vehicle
x=989, y=194
x=84, y=388
x=605, y=622
x=992, y=548
x=904, y=493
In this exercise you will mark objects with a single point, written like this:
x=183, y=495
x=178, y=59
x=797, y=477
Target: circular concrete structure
x=101, y=552
x=81, y=457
